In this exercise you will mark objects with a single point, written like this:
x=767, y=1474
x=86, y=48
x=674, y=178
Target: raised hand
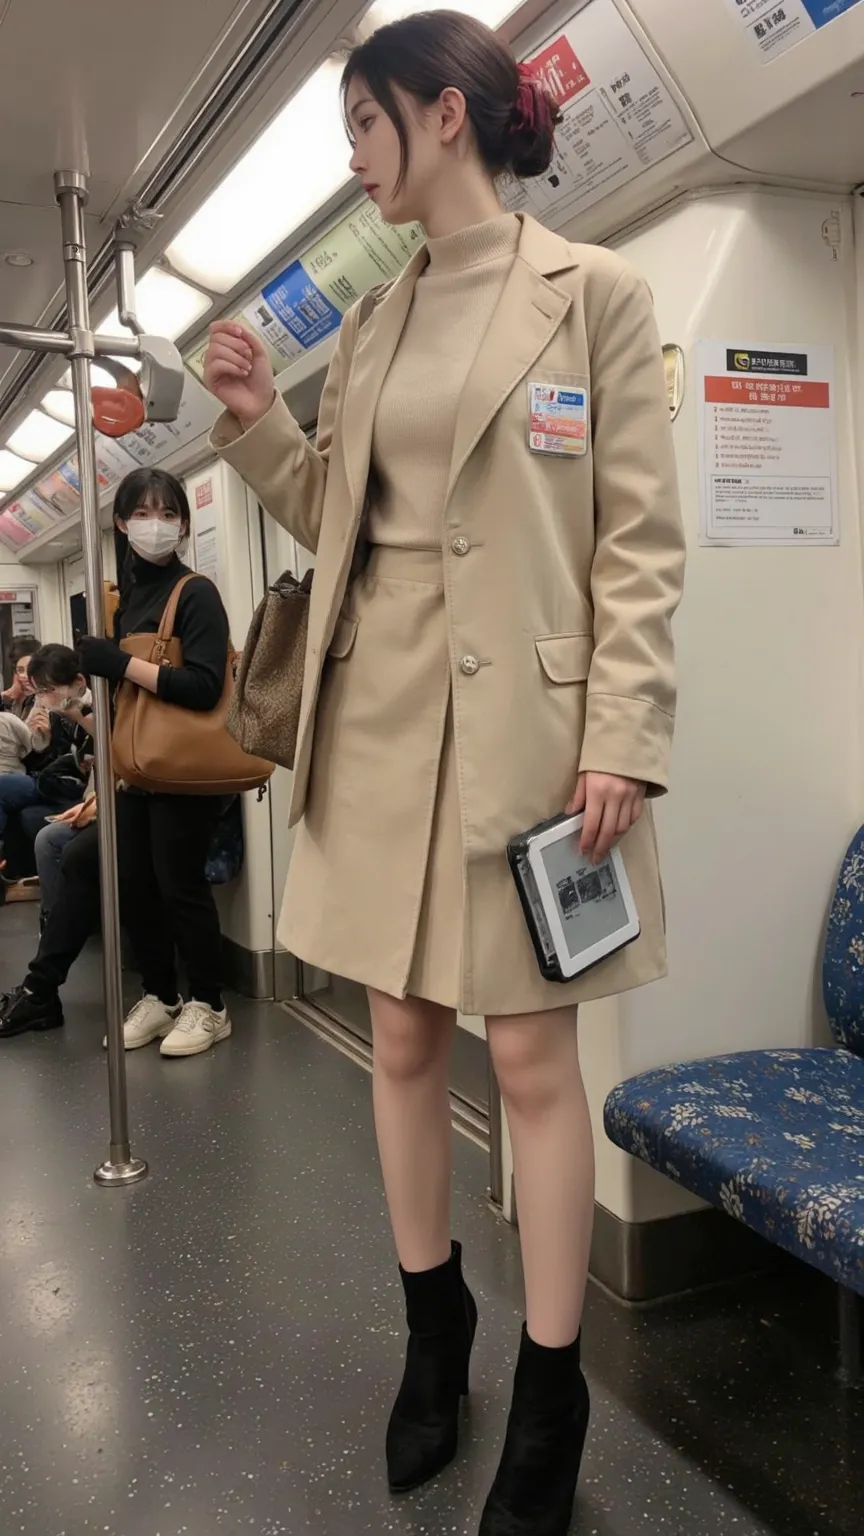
x=237, y=370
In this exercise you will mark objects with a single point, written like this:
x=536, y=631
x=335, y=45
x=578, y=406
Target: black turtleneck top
x=201, y=627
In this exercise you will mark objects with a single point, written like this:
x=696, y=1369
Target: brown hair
x=513, y=117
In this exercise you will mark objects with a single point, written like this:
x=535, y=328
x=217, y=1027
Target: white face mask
x=152, y=538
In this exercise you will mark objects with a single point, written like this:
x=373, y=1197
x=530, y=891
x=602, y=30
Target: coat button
x=469, y=665
x=460, y=545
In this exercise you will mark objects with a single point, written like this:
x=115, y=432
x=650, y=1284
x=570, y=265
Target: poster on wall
x=202, y=491
x=31, y=515
x=11, y=532
x=775, y=26
x=767, y=444
x=305, y=303
x=619, y=118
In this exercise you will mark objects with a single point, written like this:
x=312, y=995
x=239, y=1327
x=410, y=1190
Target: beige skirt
x=378, y=887
x=376, y=883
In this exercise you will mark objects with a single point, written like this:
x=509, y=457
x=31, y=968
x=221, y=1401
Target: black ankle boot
x=535, y=1487
x=423, y=1434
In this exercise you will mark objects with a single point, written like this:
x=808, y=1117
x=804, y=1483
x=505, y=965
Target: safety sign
x=767, y=445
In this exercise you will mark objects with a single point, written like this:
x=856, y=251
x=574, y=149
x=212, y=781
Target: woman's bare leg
x=413, y=1042
x=536, y=1060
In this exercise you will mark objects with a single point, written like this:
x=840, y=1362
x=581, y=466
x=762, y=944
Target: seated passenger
x=54, y=708
x=16, y=743
x=166, y=902
x=51, y=843
x=73, y=916
x=18, y=697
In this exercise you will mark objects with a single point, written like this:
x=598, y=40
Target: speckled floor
x=216, y=1350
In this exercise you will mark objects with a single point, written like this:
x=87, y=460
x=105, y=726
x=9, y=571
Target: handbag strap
x=165, y=633
x=169, y=617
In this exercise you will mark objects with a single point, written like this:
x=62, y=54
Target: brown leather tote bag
x=168, y=750
x=264, y=715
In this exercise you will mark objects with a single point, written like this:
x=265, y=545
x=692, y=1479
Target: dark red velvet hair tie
x=532, y=107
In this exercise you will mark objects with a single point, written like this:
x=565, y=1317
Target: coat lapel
x=526, y=318
x=373, y=354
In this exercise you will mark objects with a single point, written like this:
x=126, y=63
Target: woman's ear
x=119, y=523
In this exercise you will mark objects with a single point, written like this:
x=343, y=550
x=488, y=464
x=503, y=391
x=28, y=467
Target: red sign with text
x=756, y=391
x=560, y=71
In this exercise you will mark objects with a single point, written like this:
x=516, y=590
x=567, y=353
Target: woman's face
x=154, y=532
x=22, y=675
x=139, y=514
x=377, y=157
x=61, y=695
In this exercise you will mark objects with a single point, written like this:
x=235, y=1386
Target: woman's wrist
x=248, y=422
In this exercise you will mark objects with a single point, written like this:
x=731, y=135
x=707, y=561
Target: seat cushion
x=775, y=1138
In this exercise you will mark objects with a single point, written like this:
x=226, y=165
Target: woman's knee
x=411, y=1037
x=535, y=1058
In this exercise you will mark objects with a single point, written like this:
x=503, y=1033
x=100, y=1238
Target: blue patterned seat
x=775, y=1138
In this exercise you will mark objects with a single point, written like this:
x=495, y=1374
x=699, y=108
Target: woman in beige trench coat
x=505, y=653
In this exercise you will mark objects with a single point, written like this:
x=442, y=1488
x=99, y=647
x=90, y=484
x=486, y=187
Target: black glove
x=102, y=658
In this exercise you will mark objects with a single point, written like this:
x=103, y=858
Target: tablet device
x=578, y=913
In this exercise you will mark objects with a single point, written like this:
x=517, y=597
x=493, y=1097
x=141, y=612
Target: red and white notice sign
x=619, y=115
x=767, y=444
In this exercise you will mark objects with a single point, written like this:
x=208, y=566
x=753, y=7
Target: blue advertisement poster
x=304, y=311
x=823, y=11
x=775, y=26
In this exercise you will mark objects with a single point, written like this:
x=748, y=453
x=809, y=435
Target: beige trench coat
x=561, y=579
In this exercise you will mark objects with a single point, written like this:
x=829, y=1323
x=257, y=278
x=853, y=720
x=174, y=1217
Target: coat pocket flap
x=343, y=639
x=565, y=658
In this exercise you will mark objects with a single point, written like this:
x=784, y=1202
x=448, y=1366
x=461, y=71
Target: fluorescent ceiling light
x=166, y=307
x=492, y=12
x=299, y=162
x=59, y=404
x=38, y=436
x=12, y=470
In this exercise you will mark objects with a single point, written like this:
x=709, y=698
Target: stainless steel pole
x=71, y=191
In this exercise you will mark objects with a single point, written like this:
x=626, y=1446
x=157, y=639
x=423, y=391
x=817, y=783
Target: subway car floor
x=216, y=1349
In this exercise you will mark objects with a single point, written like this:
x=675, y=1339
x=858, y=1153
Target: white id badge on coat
x=559, y=420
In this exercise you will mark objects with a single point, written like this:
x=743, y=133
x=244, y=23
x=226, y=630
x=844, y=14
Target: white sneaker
x=150, y=1019
x=197, y=1028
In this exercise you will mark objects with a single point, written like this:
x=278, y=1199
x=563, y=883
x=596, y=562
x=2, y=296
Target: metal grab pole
x=71, y=191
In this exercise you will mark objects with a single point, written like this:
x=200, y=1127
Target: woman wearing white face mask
x=163, y=840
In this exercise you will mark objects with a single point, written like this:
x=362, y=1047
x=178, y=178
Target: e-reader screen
x=588, y=898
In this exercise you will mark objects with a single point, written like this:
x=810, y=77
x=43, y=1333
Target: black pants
x=74, y=915
x=166, y=903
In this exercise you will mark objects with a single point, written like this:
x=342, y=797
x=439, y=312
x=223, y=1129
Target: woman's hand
x=612, y=806
x=238, y=372
x=102, y=658
x=39, y=721
x=78, y=816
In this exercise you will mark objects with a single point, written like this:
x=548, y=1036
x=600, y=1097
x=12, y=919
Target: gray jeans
x=49, y=846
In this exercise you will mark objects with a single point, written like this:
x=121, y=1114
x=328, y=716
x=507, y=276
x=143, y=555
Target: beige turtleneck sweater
x=415, y=421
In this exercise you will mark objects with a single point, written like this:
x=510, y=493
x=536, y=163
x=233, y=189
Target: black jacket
x=202, y=629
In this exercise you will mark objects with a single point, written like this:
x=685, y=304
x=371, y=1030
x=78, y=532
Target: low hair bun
x=531, y=131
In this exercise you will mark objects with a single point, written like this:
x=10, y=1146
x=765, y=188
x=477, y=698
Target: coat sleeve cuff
x=627, y=737
x=260, y=452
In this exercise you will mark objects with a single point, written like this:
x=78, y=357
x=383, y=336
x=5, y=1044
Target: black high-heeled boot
x=534, y=1490
x=423, y=1434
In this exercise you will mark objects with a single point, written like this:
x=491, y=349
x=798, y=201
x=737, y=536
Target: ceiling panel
x=95, y=85
x=106, y=87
